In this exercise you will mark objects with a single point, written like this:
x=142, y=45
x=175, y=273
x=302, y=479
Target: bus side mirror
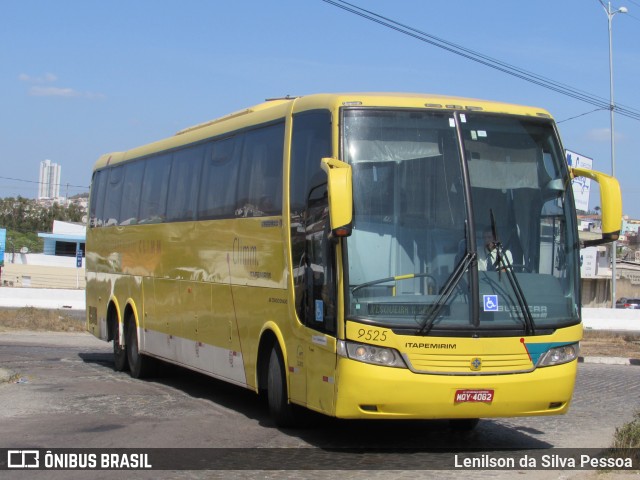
x=610, y=204
x=339, y=180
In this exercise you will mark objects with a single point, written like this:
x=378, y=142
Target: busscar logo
x=23, y=459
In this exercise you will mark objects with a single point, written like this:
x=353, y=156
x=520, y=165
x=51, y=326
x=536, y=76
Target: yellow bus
x=362, y=255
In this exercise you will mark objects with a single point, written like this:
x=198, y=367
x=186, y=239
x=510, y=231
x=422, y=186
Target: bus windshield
x=462, y=223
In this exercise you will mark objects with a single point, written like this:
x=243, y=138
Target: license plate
x=464, y=396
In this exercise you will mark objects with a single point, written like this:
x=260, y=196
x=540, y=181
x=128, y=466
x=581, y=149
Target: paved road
x=69, y=396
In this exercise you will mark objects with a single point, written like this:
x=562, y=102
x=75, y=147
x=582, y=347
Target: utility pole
x=610, y=14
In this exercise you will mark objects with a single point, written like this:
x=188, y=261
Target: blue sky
x=79, y=78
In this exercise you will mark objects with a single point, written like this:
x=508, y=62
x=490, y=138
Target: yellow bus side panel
x=200, y=288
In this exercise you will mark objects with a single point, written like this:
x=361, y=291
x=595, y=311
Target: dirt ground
x=594, y=343
x=39, y=320
x=610, y=344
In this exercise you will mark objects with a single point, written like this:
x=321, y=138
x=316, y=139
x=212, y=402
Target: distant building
x=49, y=180
x=595, y=262
x=630, y=225
x=66, y=240
x=59, y=265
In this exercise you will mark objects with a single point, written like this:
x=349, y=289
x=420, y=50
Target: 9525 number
x=371, y=335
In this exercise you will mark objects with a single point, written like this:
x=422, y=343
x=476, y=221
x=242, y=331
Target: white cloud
x=41, y=88
x=53, y=92
x=46, y=78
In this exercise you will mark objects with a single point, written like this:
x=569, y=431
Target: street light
x=610, y=14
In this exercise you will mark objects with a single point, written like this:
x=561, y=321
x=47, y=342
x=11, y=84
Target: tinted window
x=96, y=207
x=113, y=196
x=131, y=193
x=220, y=179
x=260, y=186
x=153, y=199
x=183, y=186
x=311, y=141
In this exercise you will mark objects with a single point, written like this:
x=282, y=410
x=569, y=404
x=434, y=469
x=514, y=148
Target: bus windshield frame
x=463, y=223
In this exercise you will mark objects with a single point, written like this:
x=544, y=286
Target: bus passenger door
x=312, y=261
x=318, y=303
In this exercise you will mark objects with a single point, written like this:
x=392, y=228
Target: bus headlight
x=361, y=352
x=559, y=355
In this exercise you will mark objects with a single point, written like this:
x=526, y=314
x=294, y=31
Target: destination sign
x=413, y=309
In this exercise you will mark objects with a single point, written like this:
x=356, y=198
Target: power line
x=632, y=16
x=499, y=65
x=43, y=183
x=578, y=116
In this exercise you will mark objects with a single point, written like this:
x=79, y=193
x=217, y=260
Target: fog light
x=369, y=408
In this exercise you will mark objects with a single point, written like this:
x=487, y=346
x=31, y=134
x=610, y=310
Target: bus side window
x=96, y=205
x=219, y=179
x=131, y=193
x=153, y=198
x=260, y=187
x=183, y=185
x=113, y=196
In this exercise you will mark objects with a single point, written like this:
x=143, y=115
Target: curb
x=610, y=360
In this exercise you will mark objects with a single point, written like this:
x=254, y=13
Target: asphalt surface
x=64, y=393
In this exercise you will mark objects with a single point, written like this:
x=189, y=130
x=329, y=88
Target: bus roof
x=274, y=109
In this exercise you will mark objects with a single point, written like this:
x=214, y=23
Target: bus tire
x=140, y=365
x=463, y=424
x=120, y=362
x=281, y=410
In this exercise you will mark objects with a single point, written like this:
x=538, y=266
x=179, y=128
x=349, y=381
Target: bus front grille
x=456, y=364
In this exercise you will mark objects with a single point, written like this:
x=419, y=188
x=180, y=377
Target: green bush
x=626, y=440
x=628, y=436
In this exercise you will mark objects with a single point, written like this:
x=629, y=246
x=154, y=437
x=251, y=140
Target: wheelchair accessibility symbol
x=490, y=303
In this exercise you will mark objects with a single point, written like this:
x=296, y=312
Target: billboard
x=589, y=262
x=581, y=185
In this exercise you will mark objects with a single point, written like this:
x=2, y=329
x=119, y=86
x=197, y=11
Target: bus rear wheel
x=140, y=365
x=119, y=352
x=281, y=410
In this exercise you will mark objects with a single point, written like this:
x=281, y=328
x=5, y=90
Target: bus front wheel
x=279, y=407
x=463, y=424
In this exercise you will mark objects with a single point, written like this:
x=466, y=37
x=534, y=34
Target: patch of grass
x=30, y=318
x=626, y=440
x=628, y=436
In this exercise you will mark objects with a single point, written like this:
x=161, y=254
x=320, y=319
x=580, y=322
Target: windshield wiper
x=503, y=260
x=447, y=290
x=517, y=288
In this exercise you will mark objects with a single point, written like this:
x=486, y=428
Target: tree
x=27, y=216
